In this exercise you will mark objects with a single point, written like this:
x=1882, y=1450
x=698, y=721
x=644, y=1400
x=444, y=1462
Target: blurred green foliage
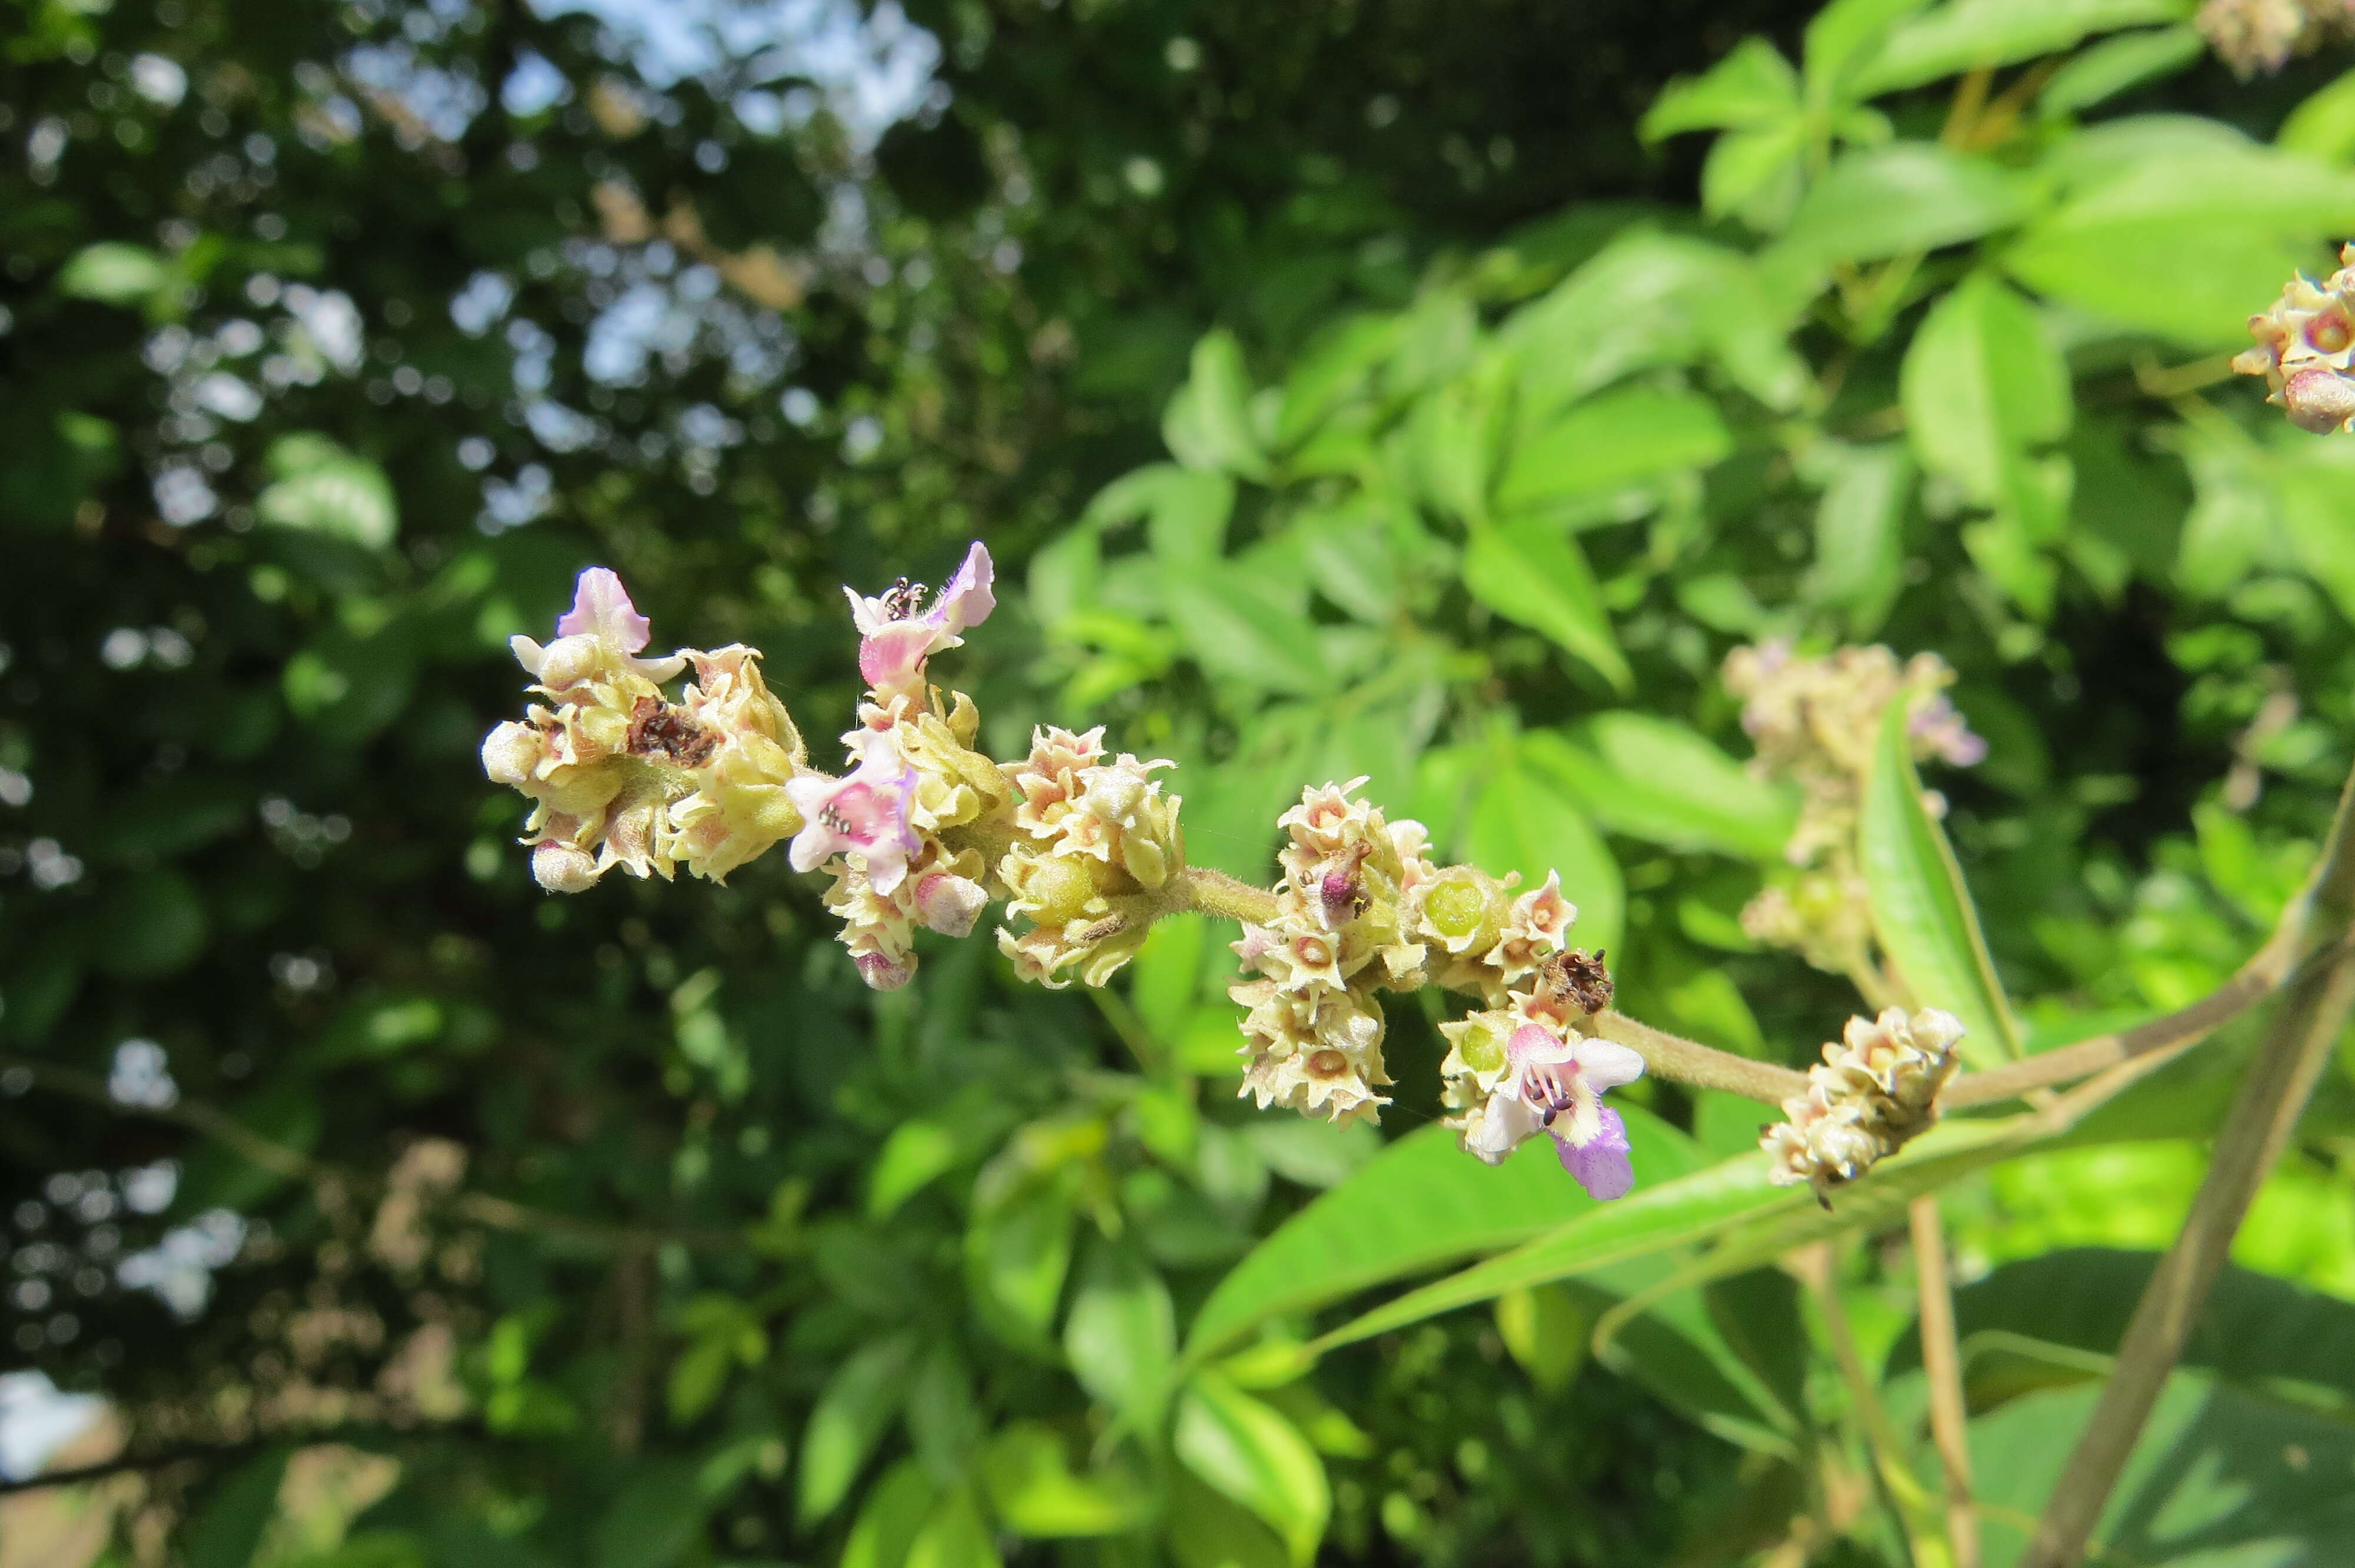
x=1407, y=391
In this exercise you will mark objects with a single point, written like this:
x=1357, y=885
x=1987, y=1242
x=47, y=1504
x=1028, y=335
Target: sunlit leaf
x=1534, y=574
x=1248, y=1451
x=1921, y=911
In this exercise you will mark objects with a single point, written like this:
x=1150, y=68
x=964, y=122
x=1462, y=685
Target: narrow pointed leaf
x=1921, y=910
x=1421, y=1203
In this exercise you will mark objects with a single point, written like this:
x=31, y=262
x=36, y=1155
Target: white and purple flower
x=895, y=637
x=1556, y=1086
x=864, y=813
x=601, y=631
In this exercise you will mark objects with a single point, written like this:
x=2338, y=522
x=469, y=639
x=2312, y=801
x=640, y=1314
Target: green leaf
x=1035, y=1491
x=1610, y=441
x=1184, y=510
x=2323, y=126
x=1921, y=913
x=113, y=273
x=653, y=1519
x=2219, y=1477
x=1732, y=1200
x=1204, y=1530
x=1208, y=423
x=322, y=489
x=1967, y=34
x=1524, y=821
x=1240, y=632
x=1122, y=1333
x=1546, y=1328
x=895, y=1509
x=1753, y=87
x=1636, y=305
x=1421, y=1203
x=1654, y=778
x=1981, y=387
x=1756, y=175
x=1841, y=39
x=1451, y=439
x=1532, y=573
x=1889, y=201
x=2212, y=220
x=1253, y=1455
x=2267, y=1335
x=228, y=1530
x=944, y=1421
x=1335, y=369
x=1016, y=1255
x=955, y=1535
x=848, y=1420
x=1860, y=562
x=2130, y=60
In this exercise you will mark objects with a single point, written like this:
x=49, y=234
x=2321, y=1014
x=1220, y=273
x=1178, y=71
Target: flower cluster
x=1873, y=1093
x=902, y=832
x=2260, y=37
x=621, y=776
x=1817, y=721
x=922, y=829
x=1097, y=843
x=1526, y=1067
x=1343, y=929
x=2305, y=349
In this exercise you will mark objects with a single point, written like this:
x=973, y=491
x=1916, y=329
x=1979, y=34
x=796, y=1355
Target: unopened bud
x=2318, y=400
x=510, y=753
x=569, y=661
x=560, y=868
x=949, y=904
x=881, y=971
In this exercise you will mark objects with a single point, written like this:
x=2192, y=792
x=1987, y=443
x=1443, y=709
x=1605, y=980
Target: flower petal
x=1606, y=1065
x=892, y=656
x=967, y=600
x=1535, y=1045
x=602, y=607
x=1601, y=1164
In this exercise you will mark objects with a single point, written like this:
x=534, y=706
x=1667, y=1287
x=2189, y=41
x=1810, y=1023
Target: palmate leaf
x=1921, y=910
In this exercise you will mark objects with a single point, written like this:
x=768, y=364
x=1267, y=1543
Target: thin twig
x=2255, y=981
x=1899, y=1487
x=2314, y=1006
x=1942, y=1362
x=1689, y=1061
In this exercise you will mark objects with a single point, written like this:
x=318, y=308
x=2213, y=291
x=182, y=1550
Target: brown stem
x=2314, y=1006
x=1942, y=1360
x=1686, y=1061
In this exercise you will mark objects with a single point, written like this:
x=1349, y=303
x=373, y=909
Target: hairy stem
x=1686, y=1061
x=2315, y=1007
x=1942, y=1362
x=2254, y=982
x=1216, y=893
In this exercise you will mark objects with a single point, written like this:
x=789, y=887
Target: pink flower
x=601, y=628
x=895, y=637
x=864, y=813
x=1556, y=1087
